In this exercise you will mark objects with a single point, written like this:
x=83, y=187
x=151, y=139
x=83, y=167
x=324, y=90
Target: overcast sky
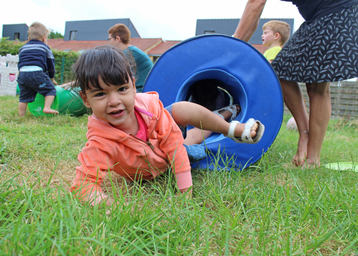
x=152, y=19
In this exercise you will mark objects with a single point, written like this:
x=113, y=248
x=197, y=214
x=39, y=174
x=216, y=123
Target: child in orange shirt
x=132, y=133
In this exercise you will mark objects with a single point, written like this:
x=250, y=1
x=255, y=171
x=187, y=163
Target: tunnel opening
x=214, y=89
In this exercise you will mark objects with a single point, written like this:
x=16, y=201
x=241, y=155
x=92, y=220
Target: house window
x=17, y=36
x=209, y=32
x=73, y=35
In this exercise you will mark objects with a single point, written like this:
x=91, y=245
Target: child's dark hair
x=103, y=62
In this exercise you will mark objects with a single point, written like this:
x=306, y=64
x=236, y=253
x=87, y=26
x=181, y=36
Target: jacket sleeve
x=95, y=162
x=50, y=63
x=172, y=142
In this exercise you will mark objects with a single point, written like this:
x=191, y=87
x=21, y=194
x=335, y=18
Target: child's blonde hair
x=37, y=31
x=280, y=27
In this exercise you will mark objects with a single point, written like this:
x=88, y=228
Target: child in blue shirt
x=37, y=69
x=119, y=36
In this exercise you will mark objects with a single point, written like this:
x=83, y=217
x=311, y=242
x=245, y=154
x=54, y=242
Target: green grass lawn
x=267, y=209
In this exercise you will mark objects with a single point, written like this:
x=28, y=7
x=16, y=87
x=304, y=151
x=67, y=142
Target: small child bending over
x=132, y=133
x=37, y=70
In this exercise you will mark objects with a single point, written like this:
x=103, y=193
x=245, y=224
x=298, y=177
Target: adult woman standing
x=324, y=49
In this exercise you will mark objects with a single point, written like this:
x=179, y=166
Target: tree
x=54, y=35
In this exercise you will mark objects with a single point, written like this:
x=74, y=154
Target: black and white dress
x=324, y=48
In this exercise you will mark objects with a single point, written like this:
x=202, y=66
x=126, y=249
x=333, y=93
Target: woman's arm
x=250, y=19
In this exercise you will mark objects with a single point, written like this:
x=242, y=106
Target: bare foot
x=300, y=157
x=50, y=111
x=310, y=166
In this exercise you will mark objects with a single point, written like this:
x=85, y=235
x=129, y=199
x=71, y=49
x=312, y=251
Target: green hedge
x=11, y=47
x=63, y=63
x=63, y=60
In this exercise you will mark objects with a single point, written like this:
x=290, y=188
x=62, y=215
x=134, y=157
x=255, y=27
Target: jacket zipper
x=151, y=147
x=150, y=144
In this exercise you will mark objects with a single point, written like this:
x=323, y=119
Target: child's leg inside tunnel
x=187, y=113
x=198, y=135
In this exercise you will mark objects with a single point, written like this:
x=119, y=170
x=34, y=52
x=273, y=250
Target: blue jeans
x=33, y=82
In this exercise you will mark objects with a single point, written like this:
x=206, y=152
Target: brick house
x=86, y=34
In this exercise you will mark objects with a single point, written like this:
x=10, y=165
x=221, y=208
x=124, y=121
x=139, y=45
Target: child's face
x=113, y=104
x=114, y=41
x=268, y=37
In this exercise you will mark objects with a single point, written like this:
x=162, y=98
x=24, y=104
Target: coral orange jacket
x=110, y=149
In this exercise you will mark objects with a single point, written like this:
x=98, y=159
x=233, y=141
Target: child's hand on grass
x=188, y=192
x=100, y=198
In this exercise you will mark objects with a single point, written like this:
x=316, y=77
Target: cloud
x=153, y=19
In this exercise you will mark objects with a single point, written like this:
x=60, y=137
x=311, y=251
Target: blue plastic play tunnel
x=244, y=73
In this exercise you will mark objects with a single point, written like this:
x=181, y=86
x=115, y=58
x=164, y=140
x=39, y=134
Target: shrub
x=11, y=47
